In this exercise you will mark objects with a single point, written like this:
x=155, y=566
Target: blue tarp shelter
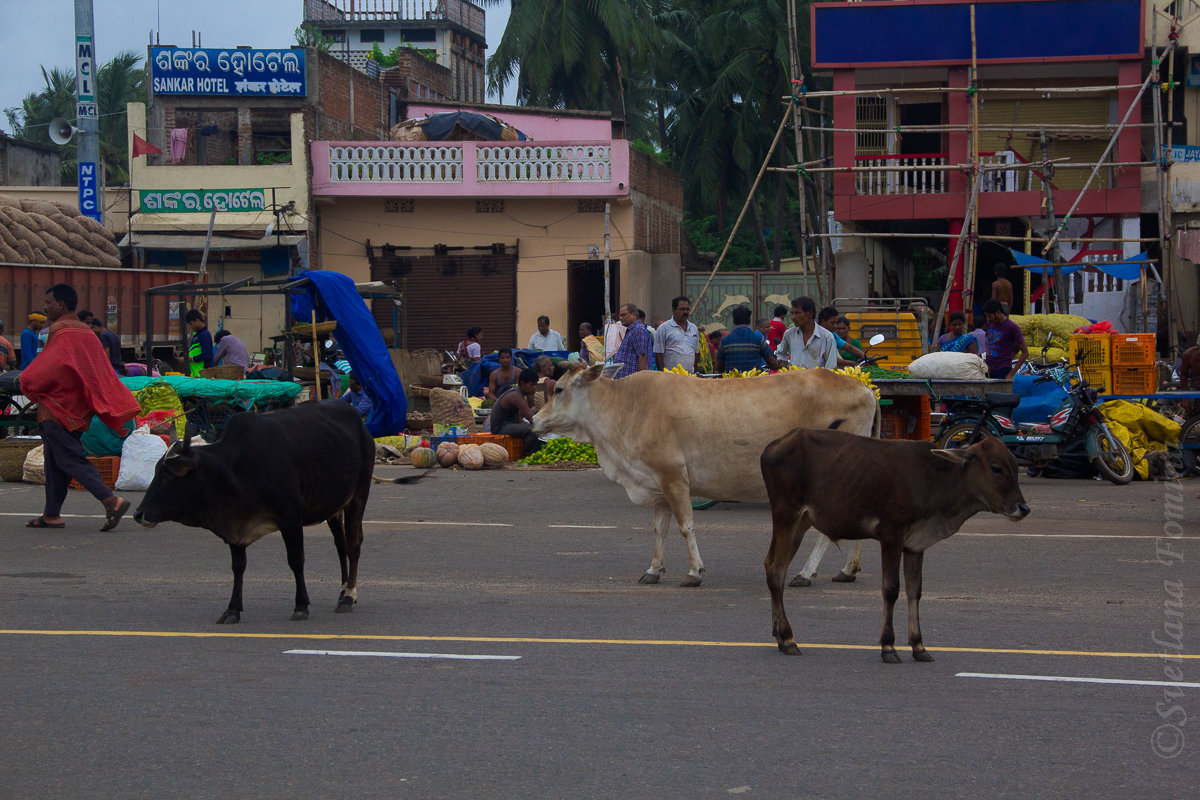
x=334, y=297
x=1128, y=270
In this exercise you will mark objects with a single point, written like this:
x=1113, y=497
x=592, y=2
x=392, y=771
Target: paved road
x=583, y=683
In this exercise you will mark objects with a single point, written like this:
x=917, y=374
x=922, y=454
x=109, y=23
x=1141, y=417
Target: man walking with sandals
x=72, y=381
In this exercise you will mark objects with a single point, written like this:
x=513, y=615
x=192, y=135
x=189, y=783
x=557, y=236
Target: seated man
x=357, y=397
x=512, y=413
x=502, y=376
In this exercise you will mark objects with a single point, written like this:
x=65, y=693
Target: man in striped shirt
x=743, y=348
x=637, y=345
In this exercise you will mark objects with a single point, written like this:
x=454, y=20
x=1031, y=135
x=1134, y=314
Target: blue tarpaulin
x=473, y=377
x=1128, y=270
x=333, y=296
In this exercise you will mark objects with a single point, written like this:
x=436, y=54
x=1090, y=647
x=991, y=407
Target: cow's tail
x=405, y=479
x=877, y=424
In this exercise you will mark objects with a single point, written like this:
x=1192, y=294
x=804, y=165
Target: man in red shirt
x=778, y=326
x=72, y=381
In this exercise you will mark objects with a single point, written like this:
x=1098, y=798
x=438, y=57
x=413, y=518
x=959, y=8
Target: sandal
x=111, y=518
x=40, y=522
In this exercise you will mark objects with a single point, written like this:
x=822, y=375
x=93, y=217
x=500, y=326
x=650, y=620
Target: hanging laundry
x=209, y=130
x=178, y=144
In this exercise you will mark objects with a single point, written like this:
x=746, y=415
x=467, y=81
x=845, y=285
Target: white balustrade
x=525, y=163
x=885, y=178
x=432, y=163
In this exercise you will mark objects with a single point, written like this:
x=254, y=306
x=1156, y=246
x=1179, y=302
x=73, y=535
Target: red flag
x=142, y=148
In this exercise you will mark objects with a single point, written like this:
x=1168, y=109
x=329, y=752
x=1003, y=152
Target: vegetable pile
x=562, y=449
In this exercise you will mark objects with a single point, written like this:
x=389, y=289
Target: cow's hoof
x=922, y=655
x=299, y=615
x=800, y=582
x=345, y=605
x=890, y=657
x=842, y=577
x=690, y=581
x=649, y=577
x=230, y=618
x=789, y=648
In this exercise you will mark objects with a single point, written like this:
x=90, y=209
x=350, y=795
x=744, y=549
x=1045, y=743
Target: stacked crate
x=1133, y=366
x=1118, y=363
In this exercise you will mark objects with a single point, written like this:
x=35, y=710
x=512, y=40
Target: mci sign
x=85, y=79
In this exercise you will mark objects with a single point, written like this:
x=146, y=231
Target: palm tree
x=118, y=82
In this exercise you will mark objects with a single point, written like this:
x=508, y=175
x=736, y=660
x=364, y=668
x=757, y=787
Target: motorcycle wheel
x=960, y=434
x=1189, y=440
x=1111, y=459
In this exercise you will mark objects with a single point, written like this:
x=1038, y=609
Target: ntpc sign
x=85, y=79
x=89, y=190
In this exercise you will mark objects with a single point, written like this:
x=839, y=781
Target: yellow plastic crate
x=1090, y=350
x=1099, y=377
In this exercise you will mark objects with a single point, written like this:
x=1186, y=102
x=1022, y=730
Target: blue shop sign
x=236, y=72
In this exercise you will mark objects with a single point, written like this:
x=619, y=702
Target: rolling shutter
x=447, y=294
x=1078, y=146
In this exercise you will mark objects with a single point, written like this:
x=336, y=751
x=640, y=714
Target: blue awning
x=1128, y=270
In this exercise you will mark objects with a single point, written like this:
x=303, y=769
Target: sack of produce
x=949, y=367
x=450, y=408
x=140, y=454
x=34, y=469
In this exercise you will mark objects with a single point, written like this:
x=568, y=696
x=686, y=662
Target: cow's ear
x=959, y=455
x=593, y=372
x=179, y=460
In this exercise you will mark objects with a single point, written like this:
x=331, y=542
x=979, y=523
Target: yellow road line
x=552, y=640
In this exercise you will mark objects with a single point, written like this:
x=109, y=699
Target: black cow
x=273, y=472
x=906, y=495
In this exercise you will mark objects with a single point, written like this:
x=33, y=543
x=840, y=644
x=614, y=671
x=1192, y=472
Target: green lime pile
x=878, y=373
x=562, y=449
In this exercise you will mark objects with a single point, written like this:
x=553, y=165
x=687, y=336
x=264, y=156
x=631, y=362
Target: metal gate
x=762, y=291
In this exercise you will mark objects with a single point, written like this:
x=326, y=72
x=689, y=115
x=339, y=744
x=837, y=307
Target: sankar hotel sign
x=236, y=73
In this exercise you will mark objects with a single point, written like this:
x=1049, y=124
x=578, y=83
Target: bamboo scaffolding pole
x=746, y=205
x=1168, y=264
x=899, y=235
x=968, y=289
x=1163, y=176
x=1028, y=129
x=1113, y=141
x=797, y=124
x=1030, y=90
x=953, y=265
x=1061, y=303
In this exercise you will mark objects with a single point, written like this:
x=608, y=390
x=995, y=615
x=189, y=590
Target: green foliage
x=709, y=238
x=268, y=158
x=118, y=82
x=392, y=57
x=309, y=36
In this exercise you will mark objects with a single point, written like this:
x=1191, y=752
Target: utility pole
x=87, y=116
x=1060, y=298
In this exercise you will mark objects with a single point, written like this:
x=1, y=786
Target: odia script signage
x=186, y=201
x=239, y=72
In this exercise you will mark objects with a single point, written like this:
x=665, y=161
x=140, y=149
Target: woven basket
x=226, y=372
x=12, y=456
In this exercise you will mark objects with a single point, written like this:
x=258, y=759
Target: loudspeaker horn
x=61, y=131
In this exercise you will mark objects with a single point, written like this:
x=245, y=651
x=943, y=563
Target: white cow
x=666, y=437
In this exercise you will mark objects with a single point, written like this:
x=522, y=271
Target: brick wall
x=417, y=77
x=657, y=195
x=341, y=90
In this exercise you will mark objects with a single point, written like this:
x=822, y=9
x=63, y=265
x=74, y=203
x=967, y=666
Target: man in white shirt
x=807, y=344
x=546, y=339
x=677, y=341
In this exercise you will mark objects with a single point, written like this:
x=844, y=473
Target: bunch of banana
x=858, y=374
x=748, y=373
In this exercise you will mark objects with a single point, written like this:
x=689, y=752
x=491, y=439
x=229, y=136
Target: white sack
x=34, y=468
x=949, y=367
x=140, y=454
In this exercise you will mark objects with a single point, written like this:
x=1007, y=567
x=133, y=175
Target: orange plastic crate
x=108, y=467
x=1133, y=349
x=514, y=446
x=1099, y=377
x=1090, y=350
x=1134, y=380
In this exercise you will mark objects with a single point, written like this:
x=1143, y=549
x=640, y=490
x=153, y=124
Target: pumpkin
x=470, y=457
x=493, y=454
x=423, y=458
x=447, y=454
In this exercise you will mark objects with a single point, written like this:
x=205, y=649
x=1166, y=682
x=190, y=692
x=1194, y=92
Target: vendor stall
x=906, y=402
x=208, y=403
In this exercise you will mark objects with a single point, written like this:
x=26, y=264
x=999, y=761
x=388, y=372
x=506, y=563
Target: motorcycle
x=969, y=419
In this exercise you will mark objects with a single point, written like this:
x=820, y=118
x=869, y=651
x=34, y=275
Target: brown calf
x=906, y=495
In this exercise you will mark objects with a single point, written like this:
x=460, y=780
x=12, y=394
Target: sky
x=41, y=33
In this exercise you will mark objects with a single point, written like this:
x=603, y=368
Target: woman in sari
x=958, y=340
